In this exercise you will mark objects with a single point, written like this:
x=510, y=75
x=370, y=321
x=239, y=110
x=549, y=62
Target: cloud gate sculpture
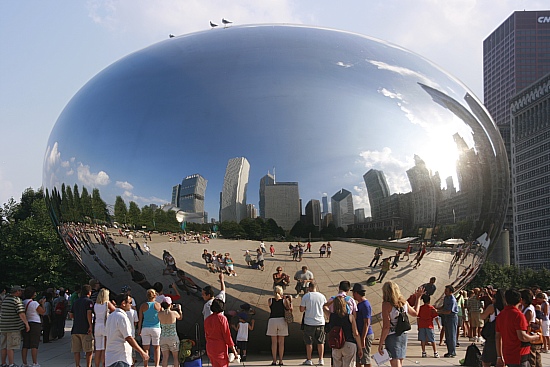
x=337, y=134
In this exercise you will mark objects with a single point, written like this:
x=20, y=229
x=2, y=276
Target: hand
x=381, y=349
x=360, y=353
x=500, y=362
x=419, y=291
x=27, y=327
x=144, y=355
x=90, y=330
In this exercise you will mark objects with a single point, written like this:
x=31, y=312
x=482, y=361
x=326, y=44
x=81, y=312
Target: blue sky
x=49, y=50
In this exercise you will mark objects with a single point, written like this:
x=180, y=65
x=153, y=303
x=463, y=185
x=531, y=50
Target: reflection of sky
x=322, y=107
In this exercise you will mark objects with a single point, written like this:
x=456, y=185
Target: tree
x=86, y=204
x=121, y=211
x=230, y=229
x=30, y=245
x=134, y=214
x=147, y=217
x=99, y=207
x=252, y=228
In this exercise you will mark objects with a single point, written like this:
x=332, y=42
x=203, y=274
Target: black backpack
x=403, y=323
x=473, y=356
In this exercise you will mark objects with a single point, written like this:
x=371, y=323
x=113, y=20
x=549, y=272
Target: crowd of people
x=512, y=326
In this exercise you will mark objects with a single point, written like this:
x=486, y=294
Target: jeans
x=451, y=324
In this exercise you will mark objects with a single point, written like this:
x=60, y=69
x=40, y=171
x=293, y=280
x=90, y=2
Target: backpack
x=336, y=338
x=403, y=323
x=60, y=307
x=473, y=356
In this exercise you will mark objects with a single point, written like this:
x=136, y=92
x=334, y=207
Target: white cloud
x=141, y=200
x=89, y=178
x=394, y=168
x=361, y=198
x=403, y=71
x=125, y=185
x=65, y=164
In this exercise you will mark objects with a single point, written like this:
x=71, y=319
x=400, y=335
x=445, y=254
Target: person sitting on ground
x=229, y=265
x=247, y=257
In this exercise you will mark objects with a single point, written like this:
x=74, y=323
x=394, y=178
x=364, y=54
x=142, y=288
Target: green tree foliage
x=30, y=250
x=253, y=228
x=506, y=277
x=134, y=215
x=230, y=229
x=86, y=205
x=147, y=217
x=99, y=208
x=121, y=211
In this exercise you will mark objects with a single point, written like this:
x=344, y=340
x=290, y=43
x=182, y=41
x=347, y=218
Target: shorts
x=170, y=343
x=475, y=319
x=82, y=343
x=32, y=338
x=314, y=334
x=366, y=350
x=545, y=328
x=150, y=335
x=241, y=345
x=397, y=345
x=11, y=340
x=426, y=335
x=460, y=320
x=277, y=326
x=229, y=267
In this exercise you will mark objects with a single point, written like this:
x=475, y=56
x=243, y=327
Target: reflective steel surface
x=332, y=111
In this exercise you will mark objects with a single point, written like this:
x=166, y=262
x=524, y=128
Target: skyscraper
x=313, y=213
x=280, y=201
x=514, y=56
x=360, y=215
x=530, y=136
x=233, y=196
x=189, y=195
x=342, y=209
x=377, y=189
x=325, y=206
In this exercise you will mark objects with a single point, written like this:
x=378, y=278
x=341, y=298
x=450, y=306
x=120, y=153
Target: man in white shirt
x=314, y=322
x=208, y=296
x=118, y=350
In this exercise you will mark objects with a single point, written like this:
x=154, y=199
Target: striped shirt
x=10, y=320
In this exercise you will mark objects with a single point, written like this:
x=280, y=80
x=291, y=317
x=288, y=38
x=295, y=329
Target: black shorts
x=32, y=338
x=241, y=345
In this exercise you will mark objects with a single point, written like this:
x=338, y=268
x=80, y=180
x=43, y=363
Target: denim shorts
x=397, y=345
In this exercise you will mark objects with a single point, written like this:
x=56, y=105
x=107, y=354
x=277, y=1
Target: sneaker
x=424, y=355
x=321, y=362
x=296, y=296
x=436, y=355
x=472, y=339
x=307, y=362
x=243, y=358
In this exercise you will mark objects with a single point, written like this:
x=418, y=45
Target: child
x=426, y=316
x=229, y=265
x=242, y=333
x=272, y=250
x=247, y=257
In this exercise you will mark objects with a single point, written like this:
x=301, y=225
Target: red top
x=218, y=336
x=426, y=316
x=508, y=321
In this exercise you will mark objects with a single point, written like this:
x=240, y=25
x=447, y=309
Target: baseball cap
x=15, y=288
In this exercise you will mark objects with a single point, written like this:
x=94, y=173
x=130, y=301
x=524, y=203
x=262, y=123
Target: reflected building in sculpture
x=424, y=193
x=313, y=213
x=280, y=201
x=343, y=214
x=189, y=195
x=324, y=202
x=233, y=196
x=378, y=190
x=360, y=215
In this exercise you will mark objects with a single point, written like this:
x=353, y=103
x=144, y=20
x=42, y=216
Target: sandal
x=273, y=363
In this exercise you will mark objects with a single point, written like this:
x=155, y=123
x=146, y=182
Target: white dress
x=101, y=312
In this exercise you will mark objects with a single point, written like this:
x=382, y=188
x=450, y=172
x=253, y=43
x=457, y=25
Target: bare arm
x=90, y=325
x=498, y=339
x=222, y=288
x=23, y=318
x=524, y=337
x=141, y=310
x=135, y=345
x=356, y=335
x=414, y=311
x=386, y=309
x=251, y=325
x=488, y=311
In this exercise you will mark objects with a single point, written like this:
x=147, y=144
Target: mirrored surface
x=360, y=141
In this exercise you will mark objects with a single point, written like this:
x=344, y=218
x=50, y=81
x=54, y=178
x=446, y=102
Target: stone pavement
x=58, y=354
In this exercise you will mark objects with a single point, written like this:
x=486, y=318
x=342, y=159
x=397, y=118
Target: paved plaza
x=58, y=354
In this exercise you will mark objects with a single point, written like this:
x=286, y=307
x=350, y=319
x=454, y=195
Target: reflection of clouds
x=124, y=185
x=392, y=95
x=52, y=156
x=128, y=195
x=394, y=168
x=361, y=198
x=89, y=178
x=344, y=65
x=403, y=71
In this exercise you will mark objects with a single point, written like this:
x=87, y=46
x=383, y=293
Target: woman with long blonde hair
x=102, y=308
x=393, y=303
x=277, y=327
x=345, y=356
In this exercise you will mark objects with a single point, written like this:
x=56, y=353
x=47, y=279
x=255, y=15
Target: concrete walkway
x=58, y=354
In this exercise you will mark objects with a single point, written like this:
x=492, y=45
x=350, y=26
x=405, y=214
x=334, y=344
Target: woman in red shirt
x=218, y=335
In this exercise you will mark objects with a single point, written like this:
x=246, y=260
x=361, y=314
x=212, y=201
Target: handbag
x=289, y=316
x=403, y=323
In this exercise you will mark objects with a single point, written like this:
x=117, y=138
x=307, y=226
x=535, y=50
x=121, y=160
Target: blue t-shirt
x=364, y=311
x=450, y=304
